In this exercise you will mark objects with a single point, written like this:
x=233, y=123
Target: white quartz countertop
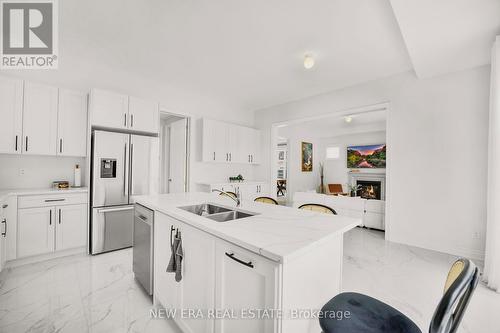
x=4, y=193
x=277, y=232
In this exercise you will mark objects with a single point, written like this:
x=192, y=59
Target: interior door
x=110, y=153
x=11, y=115
x=140, y=163
x=177, y=160
x=40, y=119
x=72, y=123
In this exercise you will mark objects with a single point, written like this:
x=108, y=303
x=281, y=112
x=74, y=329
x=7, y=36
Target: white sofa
x=371, y=212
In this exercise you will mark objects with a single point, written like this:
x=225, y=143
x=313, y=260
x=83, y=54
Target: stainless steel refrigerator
x=120, y=170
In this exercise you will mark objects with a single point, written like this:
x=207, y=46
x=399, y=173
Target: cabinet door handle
x=125, y=119
x=214, y=156
x=59, y=216
x=231, y=255
x=60, y=145
x=16, y=142
x=54, y=200
x=50, y=217
x=26, y=143
x=4, y=233
x=131, y=120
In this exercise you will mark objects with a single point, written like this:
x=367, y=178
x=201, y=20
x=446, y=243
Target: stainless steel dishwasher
x=143, y=247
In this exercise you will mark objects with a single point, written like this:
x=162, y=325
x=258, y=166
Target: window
x=332, y=153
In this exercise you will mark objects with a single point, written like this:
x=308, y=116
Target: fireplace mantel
x=368, y=176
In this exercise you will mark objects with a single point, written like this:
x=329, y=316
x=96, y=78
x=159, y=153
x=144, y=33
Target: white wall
x=39, y=171
x=437, y=140
x=336, y=171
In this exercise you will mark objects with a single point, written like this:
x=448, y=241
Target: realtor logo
x=29, y=34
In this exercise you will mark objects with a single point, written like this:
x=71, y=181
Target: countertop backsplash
x=39, y=171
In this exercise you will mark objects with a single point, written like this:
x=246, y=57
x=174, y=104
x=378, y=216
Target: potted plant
x=353, y=189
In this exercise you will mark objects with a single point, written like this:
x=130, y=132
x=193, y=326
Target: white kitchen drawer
x=46, y=200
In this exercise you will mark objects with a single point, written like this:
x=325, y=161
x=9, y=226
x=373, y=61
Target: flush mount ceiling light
x=348, y=119
x=308, y=61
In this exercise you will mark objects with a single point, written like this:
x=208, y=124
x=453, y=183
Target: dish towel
x=173, y=247
x=177, y=254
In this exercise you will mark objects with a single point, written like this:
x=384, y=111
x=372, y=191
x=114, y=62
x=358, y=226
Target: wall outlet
x=22, y=172
x=476, y=235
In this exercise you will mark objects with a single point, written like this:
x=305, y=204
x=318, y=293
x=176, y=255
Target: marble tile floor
x=99, y=294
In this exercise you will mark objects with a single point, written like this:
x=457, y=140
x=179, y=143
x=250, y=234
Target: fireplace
x=369, y=189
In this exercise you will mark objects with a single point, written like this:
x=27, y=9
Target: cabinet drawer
x=46, y=200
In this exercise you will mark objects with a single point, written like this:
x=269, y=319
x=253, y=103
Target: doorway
x=174, y=153
x=331, y=137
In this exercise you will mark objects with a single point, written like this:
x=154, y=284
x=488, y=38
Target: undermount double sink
x=216, y=213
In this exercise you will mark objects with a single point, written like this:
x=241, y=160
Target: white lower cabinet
x=217, y=277
x=195, y=291
x=35, y=230
x=42, y=230
x=71, y=227
x=248, y=190
x=245, y=284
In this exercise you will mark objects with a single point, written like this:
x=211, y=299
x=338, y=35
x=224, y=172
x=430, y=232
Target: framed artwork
x=371, y=157
x=307, y=157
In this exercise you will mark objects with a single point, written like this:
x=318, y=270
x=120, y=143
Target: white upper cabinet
x=214, y=141
x=228, y=143
x=11, y=108
x=254, y=147
x=109, y=109
x=143, y=115
x=39, y=119
x=112, y=110
x=72, y=123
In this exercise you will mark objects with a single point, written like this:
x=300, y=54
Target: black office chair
x=368, y=315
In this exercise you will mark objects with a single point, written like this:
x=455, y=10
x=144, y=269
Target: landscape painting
x=307, y=156
x=370, y=156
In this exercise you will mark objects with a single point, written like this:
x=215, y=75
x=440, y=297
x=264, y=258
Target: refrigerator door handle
x=125, y=171
x=109, y=210
x=131, y=182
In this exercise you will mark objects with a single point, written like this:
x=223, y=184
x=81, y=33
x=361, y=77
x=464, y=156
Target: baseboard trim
x=454, y=251
x=44, y=257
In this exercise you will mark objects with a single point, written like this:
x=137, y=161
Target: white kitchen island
x=270, y=272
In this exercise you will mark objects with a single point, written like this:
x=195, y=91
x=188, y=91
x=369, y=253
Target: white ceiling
x=326, y=127
x=444, y=36
x=248, y=54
